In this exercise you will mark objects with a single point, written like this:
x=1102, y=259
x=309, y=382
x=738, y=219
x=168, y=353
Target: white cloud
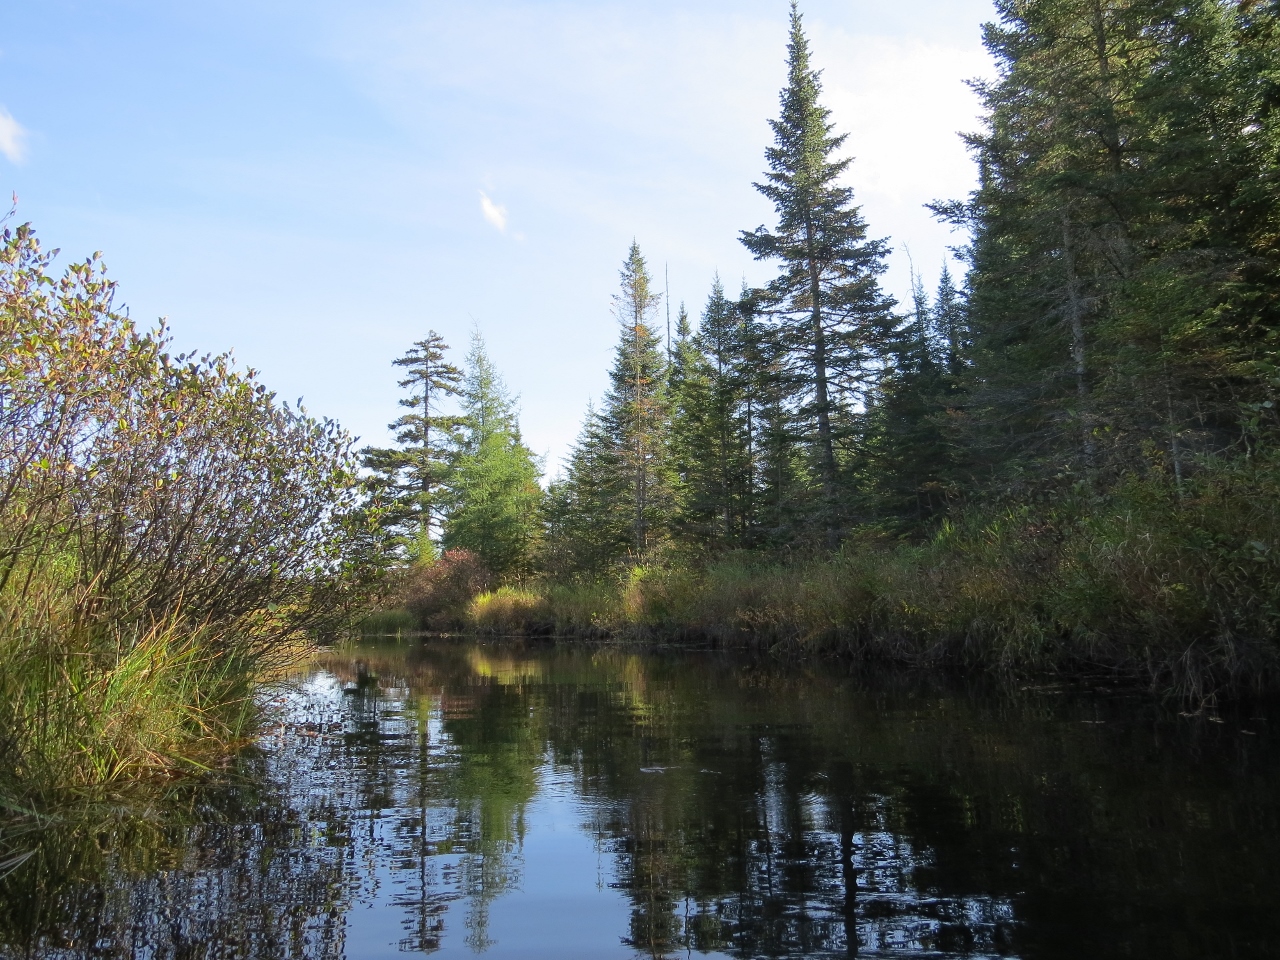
x=12, y=137
x=494, y=213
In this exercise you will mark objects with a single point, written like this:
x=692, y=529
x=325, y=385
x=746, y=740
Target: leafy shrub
x=168, y=528
x=438, y=594
x=163, y=481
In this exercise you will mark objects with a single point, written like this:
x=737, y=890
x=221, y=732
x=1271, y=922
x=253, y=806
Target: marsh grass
x=89, y=710
x=387, y=623
x=1179, y=589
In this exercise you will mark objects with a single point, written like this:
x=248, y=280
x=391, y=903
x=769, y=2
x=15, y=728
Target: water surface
x=460, y=799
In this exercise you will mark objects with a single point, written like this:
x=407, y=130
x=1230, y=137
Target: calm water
x=457, y=799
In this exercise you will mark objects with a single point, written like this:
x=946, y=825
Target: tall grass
x=1179, y=588
x=93, y=708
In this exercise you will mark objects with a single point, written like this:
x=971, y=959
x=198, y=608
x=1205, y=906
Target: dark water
x=593, y=803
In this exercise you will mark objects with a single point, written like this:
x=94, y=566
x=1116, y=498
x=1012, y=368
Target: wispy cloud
x=493, y=212
x=12, y=137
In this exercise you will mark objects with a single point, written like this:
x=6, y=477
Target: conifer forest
x=1060, y=459
x=1064, y=458
x=941, y=625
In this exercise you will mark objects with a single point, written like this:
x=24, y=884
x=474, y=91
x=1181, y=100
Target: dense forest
x=1064, y=456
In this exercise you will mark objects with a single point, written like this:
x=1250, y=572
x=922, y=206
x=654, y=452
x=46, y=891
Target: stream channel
x=457, y=798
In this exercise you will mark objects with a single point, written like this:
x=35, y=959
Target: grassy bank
x=1176, y=588
x=91, y=709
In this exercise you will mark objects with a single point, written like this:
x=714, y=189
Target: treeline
x=1119, y=318
x=1066, y=457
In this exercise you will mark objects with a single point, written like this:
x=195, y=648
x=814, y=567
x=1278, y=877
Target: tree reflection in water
x=739, y=810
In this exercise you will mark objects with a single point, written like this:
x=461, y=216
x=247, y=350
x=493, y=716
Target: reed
x=90, y=710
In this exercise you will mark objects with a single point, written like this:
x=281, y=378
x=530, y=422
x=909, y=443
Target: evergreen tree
x=826, y=302
x=691, y=445
x=636, y=410
x=588, y=515
x=618, y=491
x=494, y=498
x=407, y=476
x=709, y=441
x=1123, y=287
x=906, y=457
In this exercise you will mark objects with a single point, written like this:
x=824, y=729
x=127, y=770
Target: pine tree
x=408, y=475
x=494, y=498
x=826, y=303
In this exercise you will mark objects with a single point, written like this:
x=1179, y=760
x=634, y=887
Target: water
x=461, y=799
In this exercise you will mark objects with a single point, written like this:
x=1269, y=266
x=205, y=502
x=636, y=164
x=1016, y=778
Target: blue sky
x=314, y=185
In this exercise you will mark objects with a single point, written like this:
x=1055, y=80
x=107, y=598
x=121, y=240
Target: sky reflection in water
x=462, y=798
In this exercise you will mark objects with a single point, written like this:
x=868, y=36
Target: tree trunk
x=1075, y=317
x=826, y=446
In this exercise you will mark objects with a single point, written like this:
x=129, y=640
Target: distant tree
x=618, y=491
x=407, y=476
x=636, y=410
x=906, y=456
x=494, y=501
x=587, y=512
x=710, y=431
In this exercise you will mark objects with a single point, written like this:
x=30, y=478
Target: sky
x=315, y=185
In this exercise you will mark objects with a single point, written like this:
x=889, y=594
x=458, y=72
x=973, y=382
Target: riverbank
x=1175, y=589
x=91, y=711
x=169, y=530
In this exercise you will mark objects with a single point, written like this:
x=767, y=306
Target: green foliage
x=404, y=479
x=826, y=302
x=158, y=483
x=619, y=485
x=168, y=529
x=93, y=711
x=1072, y=446
x=494, y=501
x=1180, y=588
x=711, y=442
x=1124, y=288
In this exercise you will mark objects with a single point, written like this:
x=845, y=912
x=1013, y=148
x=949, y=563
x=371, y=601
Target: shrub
x=438, y=594
x=167, y=529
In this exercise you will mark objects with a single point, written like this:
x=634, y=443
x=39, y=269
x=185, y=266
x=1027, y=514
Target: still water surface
x=460, y=799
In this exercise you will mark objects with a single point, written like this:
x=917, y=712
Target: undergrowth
x=90, y=709
x=1176, y=587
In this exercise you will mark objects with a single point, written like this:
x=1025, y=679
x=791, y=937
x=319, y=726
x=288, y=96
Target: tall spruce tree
x=618, y=491
x=826, y=303
x=636, y=413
